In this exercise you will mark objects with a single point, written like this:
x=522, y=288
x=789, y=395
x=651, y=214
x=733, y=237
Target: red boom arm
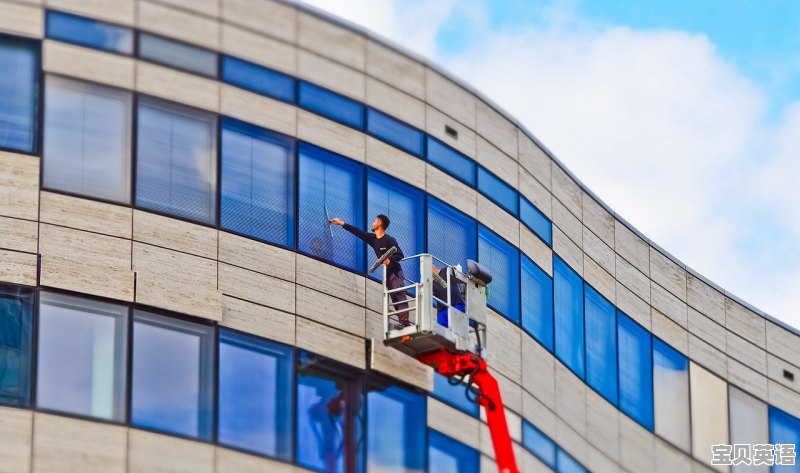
x=466, y=364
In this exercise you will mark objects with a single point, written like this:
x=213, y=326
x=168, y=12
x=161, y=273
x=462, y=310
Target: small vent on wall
x=788, y=375
x=451, y=132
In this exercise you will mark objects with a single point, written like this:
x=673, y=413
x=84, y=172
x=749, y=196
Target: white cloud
x=656, y=123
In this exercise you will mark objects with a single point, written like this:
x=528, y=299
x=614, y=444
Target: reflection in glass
x=258, y=79
x=709, y=408
x=635, y=371
x=453, y=395
x=749, y=425
x=81, y=358
x=539, y=444
x=671, y=394
x=16, y=334
x=601, y=345
x=19, y=61
x=179, y=55
x=397, y=133
x=451, y=161
x=330, y=104
x=502, y=260
x=498, y=191
x=535, y=220
x=568, y=315
x=88, y=32
x=396, y=425
x=537, y=303
x=446, y=455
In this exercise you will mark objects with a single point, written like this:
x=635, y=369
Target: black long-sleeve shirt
x=380, y=246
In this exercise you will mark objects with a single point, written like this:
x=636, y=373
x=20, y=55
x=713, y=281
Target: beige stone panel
x=745, y=323
x=86, y=262
x=396, y=103
x=453, y=423
x=669, y=459
x=504, y=344
x=744, y=351
x=204, y=7
x=747, y=379
x=698, y=467
x=538, y=372
x=259, y=110
x=497, y=129
x=571, y=399
x=19, y=186
x=331, y=135
x=331, y=40
x=709, y=356
x=18, y=268
x=269, y=17
x=259, y=320
x=568, y=250
x=116, y=11
x=436, y=123
x=498, y=162
x=602, y=424
x=256, y=287
x=633, y=306
x=256, y=256
x=536, y=249
x=231, y=461
x=601, y=253
x=393, y=362
x=535, y=192
x=598, y=219
x=19, y=235
x=538, y=414
x=450, y=98
x=705, y=299
x=332, y=75
x=85, y=214
x=88, y=64
x=259, y=49
x=628, y=245
x=16, y=430
x=511, y=391
x=534, y=159
x=374, y=300
x=668, y=274
x=393, y=67
x=331, y=311
x=571, y=440
x=567, y=223
x=175, y=234
x=64, y=444
x=668, y=304
x=775, y=370
x=178, y=24
x=782, y=343
x=599, y=279
x=498, y=220
x=598, y=462
x=331, y=343
x=391, y=160
x=567, y=191
x=633, y=279
x=528, y=462
x=673, y=334
x=154, y=453
x=176, y=281
x=709, y=407
x=26, y=20
x=783, y=398
x=487, y=465
x=451, y=191
x=637, y=446
x=177, y=86
x=331, y=280
x=707, y=329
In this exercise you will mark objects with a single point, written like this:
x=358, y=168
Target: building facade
x=173, y=299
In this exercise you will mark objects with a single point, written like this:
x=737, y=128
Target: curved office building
x=172, y=298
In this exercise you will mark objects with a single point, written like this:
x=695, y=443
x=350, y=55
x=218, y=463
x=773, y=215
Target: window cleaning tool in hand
x=389, y=253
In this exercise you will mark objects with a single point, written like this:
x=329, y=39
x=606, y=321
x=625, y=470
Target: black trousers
x=394, y=281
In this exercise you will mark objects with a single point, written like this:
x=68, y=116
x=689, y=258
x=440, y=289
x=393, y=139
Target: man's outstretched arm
x=367, y=237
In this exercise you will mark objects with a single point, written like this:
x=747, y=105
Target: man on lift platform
x=380, y=242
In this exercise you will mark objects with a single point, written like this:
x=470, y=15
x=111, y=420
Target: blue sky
x=684, y=117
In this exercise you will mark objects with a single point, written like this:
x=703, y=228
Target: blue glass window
x=257, y=183
x=537, y=303
x=330, y=186
x=87, y=139
x=258, y=79
x=405, y=207
x=635, y=371
x=87, y=32
x=601, y=344
x=451, y=161
x=256, y=393
x=671, y=395
x=82, y=356
x=451, y=234
x=172, y=388
x=395, y=132
x=784, y=428
x=538, y=444
x=330, y=104
x=396, y=426
x=502, y=260
x=19, y=61
x=535, y=221
x=446, y=455
x=568, y=315
x=180, y=55
x=498, y=191
x=176, y=169
x=16, y=334
x=567, y=464
x=454, y=395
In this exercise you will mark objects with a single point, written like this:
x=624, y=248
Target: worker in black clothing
x=380, y=243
